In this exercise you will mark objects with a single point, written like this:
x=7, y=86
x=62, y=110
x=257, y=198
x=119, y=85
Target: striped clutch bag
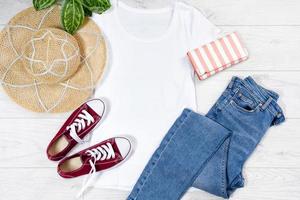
x=218, y=55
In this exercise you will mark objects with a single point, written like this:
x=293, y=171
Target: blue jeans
x=208, y=152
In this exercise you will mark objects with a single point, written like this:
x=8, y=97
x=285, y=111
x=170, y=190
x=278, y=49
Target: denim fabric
x=248, y=110
x=181, y=156
x=208, y=152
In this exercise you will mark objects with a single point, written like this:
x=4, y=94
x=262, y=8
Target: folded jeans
x=208, y=152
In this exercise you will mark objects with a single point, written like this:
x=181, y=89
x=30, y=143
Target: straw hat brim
x=38, y=96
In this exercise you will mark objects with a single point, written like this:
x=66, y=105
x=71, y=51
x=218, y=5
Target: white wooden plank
x=44, y=184
x=12, y=110
x=230, y=12
x=24, y=141
x=242, y=12
x=264, y=183
x=25, y=145
x=251, y=12
x=278, y=148
x=270, y=48
x=9, y=8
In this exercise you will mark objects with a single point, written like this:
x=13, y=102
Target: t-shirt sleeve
x=201, y=30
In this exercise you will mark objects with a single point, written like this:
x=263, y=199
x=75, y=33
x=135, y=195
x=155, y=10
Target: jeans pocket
x=243, y=101
x=243, y=106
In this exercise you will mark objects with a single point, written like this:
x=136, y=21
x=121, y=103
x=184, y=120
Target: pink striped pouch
x=218, y=55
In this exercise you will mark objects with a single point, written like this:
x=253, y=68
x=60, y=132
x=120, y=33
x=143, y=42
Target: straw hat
x=45, y=69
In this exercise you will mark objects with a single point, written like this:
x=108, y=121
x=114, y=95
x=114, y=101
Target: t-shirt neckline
x=172, y=9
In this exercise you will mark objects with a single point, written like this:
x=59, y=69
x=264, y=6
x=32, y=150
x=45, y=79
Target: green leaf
x=87, y=12
x=97, y=6
x=72, y=15
x=42, y=4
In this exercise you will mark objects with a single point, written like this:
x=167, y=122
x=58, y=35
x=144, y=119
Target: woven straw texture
x=39, y=67
x=51, y=56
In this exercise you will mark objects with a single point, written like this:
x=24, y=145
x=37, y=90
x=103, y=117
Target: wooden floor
x=271, y=31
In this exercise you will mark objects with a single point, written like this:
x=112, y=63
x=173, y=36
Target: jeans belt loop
x=265, y=105
x=231, y=83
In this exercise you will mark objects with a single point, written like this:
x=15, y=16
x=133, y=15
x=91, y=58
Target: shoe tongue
x=67, y=135
x=85, y=157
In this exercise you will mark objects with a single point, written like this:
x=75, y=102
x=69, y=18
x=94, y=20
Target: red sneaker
x=80, y=123
x=101, y=156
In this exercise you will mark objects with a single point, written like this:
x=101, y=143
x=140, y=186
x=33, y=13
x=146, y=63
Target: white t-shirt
x=148, y=81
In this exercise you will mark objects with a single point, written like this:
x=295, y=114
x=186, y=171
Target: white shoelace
x=103, y=152
x=83, y=120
